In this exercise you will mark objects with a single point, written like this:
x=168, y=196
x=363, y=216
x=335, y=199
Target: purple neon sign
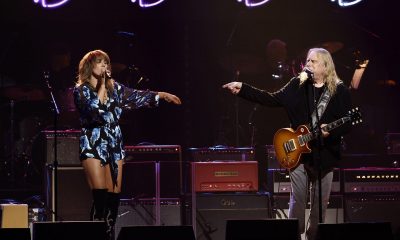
x=55, y=4
x=145, y=4
x=345, y=3
x=253, y=3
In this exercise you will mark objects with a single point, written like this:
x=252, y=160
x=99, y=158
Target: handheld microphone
x=107, y=74
x=306, y=74
x=310, y=75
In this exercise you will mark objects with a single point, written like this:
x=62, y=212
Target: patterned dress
x=101, y=136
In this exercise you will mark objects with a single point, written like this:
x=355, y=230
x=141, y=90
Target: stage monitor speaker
x=141, y=212
x=15, y=234
x=156, y=233
x=74, y=197
x=76, y=230
x=213, y=210
x=352, y=231
x=276, y=229
x=374, y=208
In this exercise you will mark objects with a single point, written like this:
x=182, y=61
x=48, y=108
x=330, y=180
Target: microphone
x=306, y=74
x=107, y=74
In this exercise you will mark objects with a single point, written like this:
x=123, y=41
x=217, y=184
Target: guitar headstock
x=355, y=116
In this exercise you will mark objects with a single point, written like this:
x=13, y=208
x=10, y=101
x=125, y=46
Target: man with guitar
x=310, y=150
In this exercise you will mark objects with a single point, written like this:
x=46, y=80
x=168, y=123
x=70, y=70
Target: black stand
x=319, y=158
x=56, y=112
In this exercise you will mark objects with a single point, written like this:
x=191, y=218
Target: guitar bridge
x=289, y=146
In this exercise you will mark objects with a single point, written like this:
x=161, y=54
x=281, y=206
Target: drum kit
x=251, y=64
x=26, y=113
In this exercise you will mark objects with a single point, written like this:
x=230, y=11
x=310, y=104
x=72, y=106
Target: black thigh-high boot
x=112, y=213
x=97, y=213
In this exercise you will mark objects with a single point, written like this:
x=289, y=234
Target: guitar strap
x=322, y=104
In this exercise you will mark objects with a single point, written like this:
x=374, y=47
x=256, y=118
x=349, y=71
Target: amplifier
x=392, y=142
x=73, y=196
x=279, y=181
x=142, y=212
x=222, y=154
x=357, y=180
x=374, y=207
x=211, y=211
x=334, y=212
x=271, y=157
x=153, y=153
x=225, y=176
x=67, y=147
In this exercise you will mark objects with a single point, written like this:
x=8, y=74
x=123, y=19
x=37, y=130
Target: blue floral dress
x=101, y=136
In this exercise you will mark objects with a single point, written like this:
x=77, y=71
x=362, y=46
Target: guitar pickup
x=289, y=146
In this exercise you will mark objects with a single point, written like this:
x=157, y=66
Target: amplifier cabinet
x=222, y=154
x=334, y=212
x=159, y=153
x=74, y=197
x=225, y=176
x=392, y=142
x=279, y=181
x=372, y=180
x=67, y=147
x=373, y=208
x=141, y=212
x=212, y=210
x=150, y=170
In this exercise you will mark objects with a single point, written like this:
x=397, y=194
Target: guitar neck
x=311, y=135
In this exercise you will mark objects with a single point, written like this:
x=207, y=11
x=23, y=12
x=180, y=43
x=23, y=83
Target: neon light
x=252, y=3
x=144, y=4
x=53, y=5
x=343, y=3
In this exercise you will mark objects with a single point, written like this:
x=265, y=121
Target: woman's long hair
x=86, y=67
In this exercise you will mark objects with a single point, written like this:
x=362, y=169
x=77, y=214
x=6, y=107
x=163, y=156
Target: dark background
x=191, y=48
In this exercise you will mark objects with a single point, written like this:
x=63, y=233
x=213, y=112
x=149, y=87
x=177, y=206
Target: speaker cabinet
x=76, y=230
x=140, y=179
x=15, y=233
x=374, y=208
x=67, y=147
x=157, y=233
x=74, y=197
x=334, y=212
x=287, y=229
x=141, y=212
x=213, y=210
x=351, y=231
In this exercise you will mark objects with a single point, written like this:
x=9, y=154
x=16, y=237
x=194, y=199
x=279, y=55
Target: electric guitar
x=290, y=144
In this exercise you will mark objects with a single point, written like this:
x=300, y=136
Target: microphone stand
x=319, y=158
x=56, y=112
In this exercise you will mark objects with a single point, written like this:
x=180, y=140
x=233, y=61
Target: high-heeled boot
x=112, y=213
x=97, y=213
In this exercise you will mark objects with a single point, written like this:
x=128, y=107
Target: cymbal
x=331, y=46
x=23, y=93
x=242, y=62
